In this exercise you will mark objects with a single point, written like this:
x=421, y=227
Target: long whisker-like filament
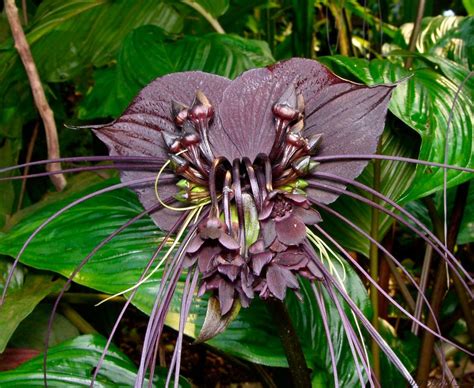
x=380, y=341
x=78, y=159
x=385, y=251
x=402, y=221
x=351, y=335
x=356, y=157
x=189, y=289
x=438, y=245
x=76, y=271
x=120, y=167
x=324, y=317
x=381, y=290
x=61, y=211
x=132, y=295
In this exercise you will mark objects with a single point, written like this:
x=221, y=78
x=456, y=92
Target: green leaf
x=65, y=37
x=450, y=37
x=71, y=364
x=117, y=266
x=469, y=5
x=148, y=53
x=31, y=333
x=424, y=102
x=25, y=292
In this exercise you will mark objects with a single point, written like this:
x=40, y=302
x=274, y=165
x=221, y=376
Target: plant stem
x=39, y=96
x=374, y=271
x=415, y=32
x=440, y=284
x=86, y=298
x=206, y=15
x=77, y=320
x=291, y=344
x=343, y=38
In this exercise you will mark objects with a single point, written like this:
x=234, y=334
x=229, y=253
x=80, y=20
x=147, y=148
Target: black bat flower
x=237, y=171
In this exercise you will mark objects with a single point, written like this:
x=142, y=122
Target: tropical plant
x=311, y=213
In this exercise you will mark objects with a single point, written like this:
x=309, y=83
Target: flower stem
x=206, y=15
x=291, y=344
x=374, y=271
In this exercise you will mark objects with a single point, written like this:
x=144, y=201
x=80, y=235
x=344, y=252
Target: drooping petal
x=293, y=258
x=291, y=231
x=228, y=242
x=308, y=216
x=138, y=131
x=259, y=261
x=226, y=296
x=278, y=279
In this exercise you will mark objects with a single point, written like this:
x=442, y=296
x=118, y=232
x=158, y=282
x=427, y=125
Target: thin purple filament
x=132, y=295
x=77, y=159
x=61, y=211
x=385, y=251
x=382, y=291
x=436, y=243
x=356, y=157
x=324, y=317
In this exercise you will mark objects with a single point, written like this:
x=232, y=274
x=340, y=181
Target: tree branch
x=39, y=96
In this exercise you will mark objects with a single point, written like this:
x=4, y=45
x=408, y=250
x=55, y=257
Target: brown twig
x=39, y=96
x=415, y=32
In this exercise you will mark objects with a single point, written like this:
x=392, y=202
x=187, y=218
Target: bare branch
x=39, y=96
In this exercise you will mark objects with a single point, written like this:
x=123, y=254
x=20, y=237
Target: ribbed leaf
x=25, y=292
x=449, y=37
x=147, y=53
x=425, y=102
x=72, y=363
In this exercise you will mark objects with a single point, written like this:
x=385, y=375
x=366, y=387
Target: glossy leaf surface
x=148, y=53
x=71, y=364
x=25, y=292
x=425, y=102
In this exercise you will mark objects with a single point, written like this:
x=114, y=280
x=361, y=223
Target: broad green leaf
x=450, y=37
x=148, y=53
x=31, y=333
x=25, y=292
x=117, y=266
x=425, y=102
x=66, y=37
x=72, y=363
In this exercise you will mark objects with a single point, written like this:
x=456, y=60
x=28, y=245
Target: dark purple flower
x=244, y=153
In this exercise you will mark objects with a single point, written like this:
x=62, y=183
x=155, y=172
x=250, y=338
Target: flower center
x=253, y=238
